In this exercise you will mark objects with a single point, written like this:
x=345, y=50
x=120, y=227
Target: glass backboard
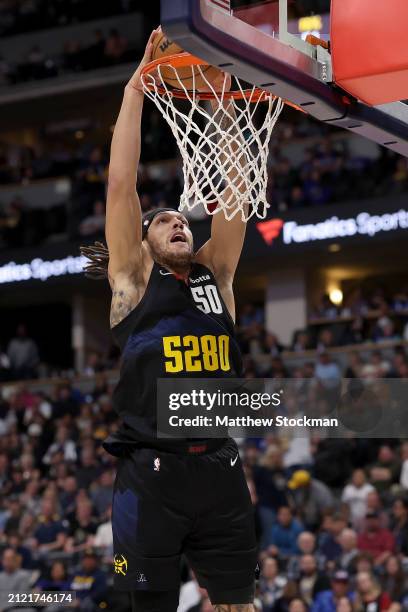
x=264, y=42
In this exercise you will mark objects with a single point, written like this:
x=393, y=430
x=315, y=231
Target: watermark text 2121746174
x=40, y=598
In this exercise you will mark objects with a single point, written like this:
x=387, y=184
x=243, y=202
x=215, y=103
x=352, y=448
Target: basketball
x=163, y=47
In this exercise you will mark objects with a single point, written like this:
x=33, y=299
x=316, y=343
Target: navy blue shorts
x=167, y=504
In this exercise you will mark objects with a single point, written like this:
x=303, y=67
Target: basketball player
x=172, y=314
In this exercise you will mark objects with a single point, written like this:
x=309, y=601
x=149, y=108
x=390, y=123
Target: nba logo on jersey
x=157, y=464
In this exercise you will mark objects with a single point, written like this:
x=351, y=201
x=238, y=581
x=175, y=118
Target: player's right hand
x=136, y=81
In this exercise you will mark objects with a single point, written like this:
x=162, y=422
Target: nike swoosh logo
x=233, y=461
x=165, y=273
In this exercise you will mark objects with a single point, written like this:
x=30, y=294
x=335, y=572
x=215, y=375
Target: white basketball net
x=224, y=153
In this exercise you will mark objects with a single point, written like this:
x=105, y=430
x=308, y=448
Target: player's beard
x=179, y=262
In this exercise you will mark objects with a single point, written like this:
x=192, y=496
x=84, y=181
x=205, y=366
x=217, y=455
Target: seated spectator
x=384, y=331
x=22, y=352
x=115, y=46
x=349, y=551
x=400, y=525
x=68, y=488
x=316, y=192
x=327, y=372
x=403, y=478
x=325, y=309
x=376, y=540
x=369, y=597
x=95, y=223
x=14, y=541
x=375, y=505
x=328, y=601
x=355, y=304
x=251, y=328
x=64, y=402
x=89, y=582
x=290, y=599
x=297, y=197
x=307, y=546
x=82, y=528
x=355, y=496
x=13, y=579
x=325, y=340
x=89, y=469
x=311, y=581
x=50, y=533
x=282, y=538
x=269, y=480
x=54, y=579
x=400, y=301
x=271, y=584
x=399, y=368
x=395, y=580
x=354, y=332
x=63, y=444
x=310, y=497
x=14, y=514
x=250, y=315
x=377, y=367
x=271, y=345
x=329, y=538
x=301, y=342
x=94, y=363
x=384, y=472
x=101, y=492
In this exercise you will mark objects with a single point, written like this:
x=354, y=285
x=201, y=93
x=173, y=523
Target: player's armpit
x=125, y=297
x=234, y=608
x=121, y=306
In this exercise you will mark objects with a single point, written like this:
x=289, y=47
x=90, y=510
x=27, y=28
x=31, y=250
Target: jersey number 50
x=207, y=299
x=196, y=353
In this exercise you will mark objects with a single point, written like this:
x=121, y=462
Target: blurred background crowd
x=331, y=514
x=324, y=173
x=19, y=16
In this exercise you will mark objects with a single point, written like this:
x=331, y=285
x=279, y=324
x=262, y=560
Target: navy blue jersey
x=179, y=329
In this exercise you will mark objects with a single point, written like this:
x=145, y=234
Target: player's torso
x=178, y=329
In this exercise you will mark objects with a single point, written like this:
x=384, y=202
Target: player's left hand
x=136, y=80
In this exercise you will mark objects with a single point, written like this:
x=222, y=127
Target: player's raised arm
x=123, y=213
x=222, y=252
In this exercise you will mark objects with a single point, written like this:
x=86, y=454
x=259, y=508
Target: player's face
x=170, y=239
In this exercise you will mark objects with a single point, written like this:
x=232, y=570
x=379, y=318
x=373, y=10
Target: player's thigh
x=148, y=525
x=222, y=548
x=155, y=601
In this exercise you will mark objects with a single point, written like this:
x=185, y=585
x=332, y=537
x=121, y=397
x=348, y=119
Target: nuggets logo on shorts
x=120, y=564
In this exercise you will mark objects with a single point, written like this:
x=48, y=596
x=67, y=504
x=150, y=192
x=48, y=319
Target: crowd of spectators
x=85, y=165
x=103, y=49
x=331, y=514
x=330, y=173
x=19, y=16
x=372, y=318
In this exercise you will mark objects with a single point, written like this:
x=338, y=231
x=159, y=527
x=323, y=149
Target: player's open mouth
x=178, y=238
